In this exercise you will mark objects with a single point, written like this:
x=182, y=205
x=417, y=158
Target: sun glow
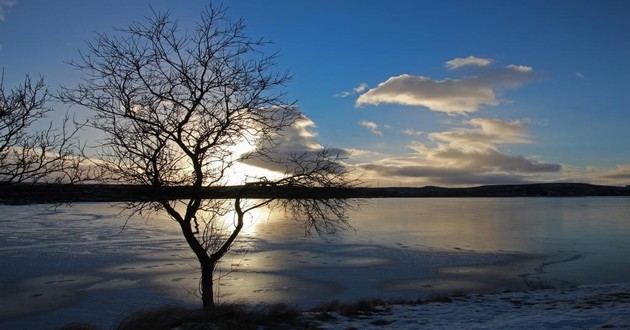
x=241, y=173
x=219, y=225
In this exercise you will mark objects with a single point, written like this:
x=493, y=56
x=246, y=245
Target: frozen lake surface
x=76, y=264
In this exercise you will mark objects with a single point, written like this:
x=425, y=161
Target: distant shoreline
x=60, y=193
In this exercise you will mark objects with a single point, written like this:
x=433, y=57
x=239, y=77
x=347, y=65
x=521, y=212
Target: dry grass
x=233, y=317
x=369, y=306
x=359, y=307
x=280, y=316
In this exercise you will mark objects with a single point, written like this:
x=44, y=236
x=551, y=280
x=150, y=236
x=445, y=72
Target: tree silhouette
x=51, y=155
x=178, y=105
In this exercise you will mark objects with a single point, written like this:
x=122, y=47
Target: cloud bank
x=465, y=155
x=450, y=95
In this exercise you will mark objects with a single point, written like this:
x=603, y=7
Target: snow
x=583, y=307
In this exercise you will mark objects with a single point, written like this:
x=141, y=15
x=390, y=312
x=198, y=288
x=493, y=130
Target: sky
x=448, y=93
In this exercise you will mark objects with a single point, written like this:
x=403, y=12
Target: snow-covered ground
x=583, y=307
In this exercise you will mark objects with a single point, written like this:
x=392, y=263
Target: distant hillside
x=521, y=190
x=27, y=194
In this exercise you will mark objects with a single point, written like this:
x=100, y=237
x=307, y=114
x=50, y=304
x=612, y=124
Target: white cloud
x=450, y=95
x=467, y=61
x=499, y=126
x=580, y=75
x=5, y=4
x=486, y=132
x=520, y=68
x=372, y=126
x=359, y=89
x=412, y=132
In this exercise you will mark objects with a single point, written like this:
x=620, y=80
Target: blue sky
x=422, y=92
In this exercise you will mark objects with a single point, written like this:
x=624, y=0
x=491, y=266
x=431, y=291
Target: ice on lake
x=64, y=264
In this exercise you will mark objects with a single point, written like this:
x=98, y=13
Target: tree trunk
x=205, y=261
x=207, y=289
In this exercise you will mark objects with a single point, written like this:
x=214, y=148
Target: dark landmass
x=40, y=193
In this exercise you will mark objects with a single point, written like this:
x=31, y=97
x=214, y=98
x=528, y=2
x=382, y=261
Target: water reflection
x=538, y=225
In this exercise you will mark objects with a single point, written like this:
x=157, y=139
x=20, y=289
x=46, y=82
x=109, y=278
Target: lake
x=77, y=263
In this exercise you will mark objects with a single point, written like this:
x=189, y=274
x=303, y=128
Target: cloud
x=5, y=4
x=486, y=132
x=481, y=158
x=372, y=126
x=298, y=139
x=464, y=156
x=412, y=132
x=520, y=68
x=443, y=176
x=364, y=155
x=467, y=61
x=579, y=75
x=356, y=90
x=450, y=95
x=619, y=175
x=361, y=88
x=620, y=172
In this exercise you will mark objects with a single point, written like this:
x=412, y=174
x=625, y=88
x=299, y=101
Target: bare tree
x=177, y=105
x=50, y=155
